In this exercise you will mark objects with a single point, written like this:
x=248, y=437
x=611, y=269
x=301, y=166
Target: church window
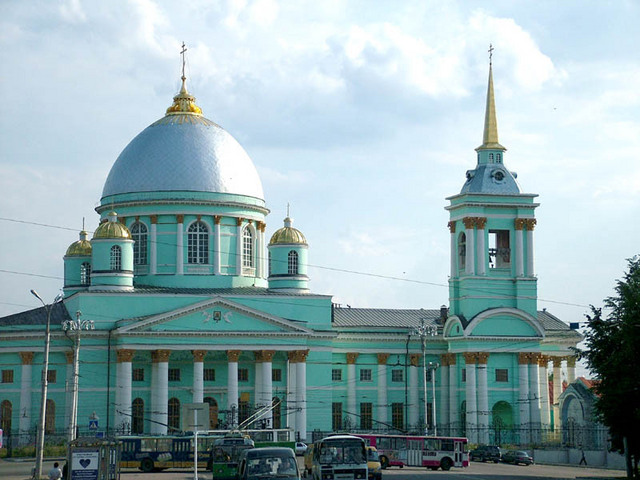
x=428, y=374
x=209, y=374
x=269, y=262
x=137, y=416
x=498, y=157
x=366, y=411
x=247, y=248
x=243, y=375
x=85, y=274
x=116, y=258
x=6, y=410
x=198, y=243
x=336, y=375
x=174, y=374
x=137, y=374
x=365, y=375
x=243, y=410
x=462, y=251
x=502, y=375
x=213, y=412
x=464, y=374
x=174, y=414
x=397, y=416
x=52, y=376
x=491, y=158
x=139, y=235
x=277, y=412
x=7, y=376
x=336, y=416
x=397, y=375
x=293, y=262
x=499, y=251
x=50, y=418
x=276, y=375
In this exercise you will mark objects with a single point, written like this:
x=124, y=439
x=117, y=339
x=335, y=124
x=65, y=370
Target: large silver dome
x=184, y=151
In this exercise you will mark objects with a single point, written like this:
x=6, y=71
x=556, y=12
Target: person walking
x=55, y=473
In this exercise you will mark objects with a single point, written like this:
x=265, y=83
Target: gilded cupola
x=112, y=228
x=80, y=248
x=288, y=235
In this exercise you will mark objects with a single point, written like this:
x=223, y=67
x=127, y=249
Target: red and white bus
x=419, y=451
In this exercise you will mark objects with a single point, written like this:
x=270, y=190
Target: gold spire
x=184, y=102
x=490, y=137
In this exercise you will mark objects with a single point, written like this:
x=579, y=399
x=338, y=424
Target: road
x=10, y=470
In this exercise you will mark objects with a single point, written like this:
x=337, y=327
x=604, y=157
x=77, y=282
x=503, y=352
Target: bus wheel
x=446, y=464
x=384, y=462
x=146, y=465
x=433, y=468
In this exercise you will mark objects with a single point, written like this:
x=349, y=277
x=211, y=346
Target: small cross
x=184, y=50
x=490, y=53
x=287, y=209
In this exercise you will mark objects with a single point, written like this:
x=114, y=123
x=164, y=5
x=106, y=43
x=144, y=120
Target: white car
x=300, y=448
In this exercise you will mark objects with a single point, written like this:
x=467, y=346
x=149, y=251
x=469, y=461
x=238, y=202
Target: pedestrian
x=583, y=460
x=55, y=473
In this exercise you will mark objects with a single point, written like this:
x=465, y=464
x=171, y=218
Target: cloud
x=72, y=11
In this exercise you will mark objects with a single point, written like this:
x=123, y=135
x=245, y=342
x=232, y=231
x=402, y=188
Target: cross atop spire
x=491, y=49
x=183, y=52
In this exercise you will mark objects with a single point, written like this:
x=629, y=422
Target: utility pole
x=424, y=331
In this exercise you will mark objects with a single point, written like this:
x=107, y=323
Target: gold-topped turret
x=80, y=248
x=490, y=136
x=112, y=228
x=184, y=102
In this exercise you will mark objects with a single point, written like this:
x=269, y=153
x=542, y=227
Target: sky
x=362, y=115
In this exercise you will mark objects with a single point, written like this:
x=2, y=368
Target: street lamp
x=424, y=331
x=43, y=398
x=75, y=327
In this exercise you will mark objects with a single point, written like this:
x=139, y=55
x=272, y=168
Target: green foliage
x=612, y=354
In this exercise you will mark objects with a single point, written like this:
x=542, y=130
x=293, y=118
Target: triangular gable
x=216, y=314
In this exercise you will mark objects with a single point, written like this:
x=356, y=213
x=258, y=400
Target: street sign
x=93, y=424
x=195, y=416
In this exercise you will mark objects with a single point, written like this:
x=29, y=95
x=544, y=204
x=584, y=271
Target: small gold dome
x=184, y=102
x=288, y=235
x=80, y=248
x=112, y=228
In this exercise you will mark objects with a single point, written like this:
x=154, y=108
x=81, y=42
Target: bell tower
x=491, y=223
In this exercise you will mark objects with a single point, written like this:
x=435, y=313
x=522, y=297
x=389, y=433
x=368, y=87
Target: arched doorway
x=501, y=422
x=6, y=410
x=213, y=412
x=276, y=412
x=137, y=416
x=174, y=415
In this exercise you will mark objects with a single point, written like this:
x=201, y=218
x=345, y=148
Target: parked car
x=486, y=453
x=268, y=462
x=517, y=457
x=373, y=464
x=300, y=448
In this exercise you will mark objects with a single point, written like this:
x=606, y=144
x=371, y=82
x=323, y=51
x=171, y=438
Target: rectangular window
x=502, y=375
x=428, y=375
x=336, y=375
x=397, y=415
x=336, y=416
x=243, y=375
x=365, y=375
x=464, y=374
x=209, y=374
x=276, y=375
x=137, y=374
x=51, y=376
x=499, y=250
x=174, y=374
x=397, y=375
x=366, y=411
x=7, y=376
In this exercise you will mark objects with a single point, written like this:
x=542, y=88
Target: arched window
x=137, y=416
x=6, y=411
x=269, y=262
x=174, y=415
x=116, y=258
x=277, y=412
x=139, y=235
x=491, y=158
x=499, y=157
x=462, y=251
x=247, y=248
x=198, y=243
x=293, y=262
x=50, y=418
x=213, y=412
x=85, y=274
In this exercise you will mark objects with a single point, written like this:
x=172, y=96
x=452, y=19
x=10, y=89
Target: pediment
x=214, y=315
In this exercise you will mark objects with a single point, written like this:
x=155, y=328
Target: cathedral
x=180, y=297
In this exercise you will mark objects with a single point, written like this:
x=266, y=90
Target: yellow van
x=308, y=460
x=373, y=464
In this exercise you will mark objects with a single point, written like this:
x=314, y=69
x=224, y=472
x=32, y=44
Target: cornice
x=209, y=203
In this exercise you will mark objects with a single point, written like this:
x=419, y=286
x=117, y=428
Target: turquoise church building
x=193, y=302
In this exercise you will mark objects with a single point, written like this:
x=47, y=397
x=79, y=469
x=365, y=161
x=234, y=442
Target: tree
x=612, y=353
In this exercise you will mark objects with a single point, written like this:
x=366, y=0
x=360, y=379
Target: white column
x=530, y=251
x=482, y=251
x=453, y=265
x=351, y=388
x=301, y=400
x=414, y=389
x=160, y=391
x=259, y=250
x=232, y=385
x=523, y=397
x=68, y=398
x=472, y=405
x=153, y=246
x=216, y=245
x=291, y=391
x=258, y=387
x=25, y=394
x=238, y=246
x=519, y=250
x=454, y=416
x=483, y=399
x=557, y=390
x=381, y=410
x=571, y=370
x=267, y=384
x=198, y=375
x=123, y=390
x=534, y=395
x=179, y=245
x=470, y=264
x=443, y=404
x=545, y=418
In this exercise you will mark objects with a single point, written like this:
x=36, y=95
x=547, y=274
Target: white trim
x=504, y=311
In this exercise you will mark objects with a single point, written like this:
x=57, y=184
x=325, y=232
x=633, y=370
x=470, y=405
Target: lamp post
x=43, y=397
x=433, y=366
x=75, y=327
x=423, y=331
